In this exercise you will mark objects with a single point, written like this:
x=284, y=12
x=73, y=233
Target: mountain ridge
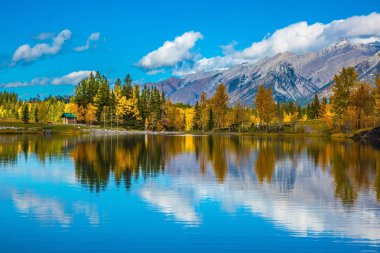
x=291, y=76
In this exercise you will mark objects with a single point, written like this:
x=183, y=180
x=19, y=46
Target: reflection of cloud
x=44, y=209
x=90, y=211
x=48, y=209
x=306, y=206
x=170, y=202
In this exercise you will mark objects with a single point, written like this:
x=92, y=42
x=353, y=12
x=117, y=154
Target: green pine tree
x=211, y=120
x=25, y=114
x=196, y=117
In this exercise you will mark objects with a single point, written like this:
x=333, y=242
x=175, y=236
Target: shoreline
x=16, y=128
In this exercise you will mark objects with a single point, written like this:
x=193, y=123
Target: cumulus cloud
x=171, y=52
x=28, y=53
x=72, y=78
x=297, y=38
x=93, y=37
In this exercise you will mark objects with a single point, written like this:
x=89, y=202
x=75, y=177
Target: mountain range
x=290, y=76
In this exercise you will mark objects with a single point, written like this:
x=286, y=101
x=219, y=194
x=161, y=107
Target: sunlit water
x=145, y=193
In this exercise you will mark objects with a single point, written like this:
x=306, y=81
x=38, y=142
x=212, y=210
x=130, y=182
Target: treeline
x=127, y=106
x=34, y=110
x=9, y=105
x=353, y=105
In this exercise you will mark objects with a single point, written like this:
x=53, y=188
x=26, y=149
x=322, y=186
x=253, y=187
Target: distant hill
x=291, y=76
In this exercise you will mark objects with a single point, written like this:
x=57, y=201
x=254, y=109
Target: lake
x=148, y=193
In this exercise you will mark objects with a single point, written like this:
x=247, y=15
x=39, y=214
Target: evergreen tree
x=102, y=100
x=313, y=108
x=323, y=108
x=25, y=113
x=143, y=103
x=127, y=87
x=203, y=113
x=299, y=112
x=196, y=117
x=291, y=109
x=36, y=114
x=280, y=110
x=211, y=120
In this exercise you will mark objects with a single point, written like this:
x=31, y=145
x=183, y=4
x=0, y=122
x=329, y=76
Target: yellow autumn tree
x=264, y=105
x=220, y=105
x=121, y=109
x=90, y=116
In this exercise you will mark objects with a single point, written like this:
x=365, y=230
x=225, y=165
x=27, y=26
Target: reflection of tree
x=43, y=147
x=92, y=164
x=354, y=167
x=8, y=151
x=266, y=160
x=377, y=178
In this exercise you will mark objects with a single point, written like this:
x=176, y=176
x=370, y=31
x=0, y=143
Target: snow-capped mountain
x=291, y=76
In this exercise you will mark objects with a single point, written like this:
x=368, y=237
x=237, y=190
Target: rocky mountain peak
x=291, y=76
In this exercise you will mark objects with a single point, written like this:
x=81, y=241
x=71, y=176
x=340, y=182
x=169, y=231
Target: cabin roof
x=68, y=116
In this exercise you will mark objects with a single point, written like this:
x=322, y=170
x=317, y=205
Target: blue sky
x=116, y=37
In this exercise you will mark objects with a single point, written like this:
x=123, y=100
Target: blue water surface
x=188, y=194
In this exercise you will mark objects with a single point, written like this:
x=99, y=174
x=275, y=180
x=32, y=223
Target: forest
x=353, y=105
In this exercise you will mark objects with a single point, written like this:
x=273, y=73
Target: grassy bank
x=18, y=127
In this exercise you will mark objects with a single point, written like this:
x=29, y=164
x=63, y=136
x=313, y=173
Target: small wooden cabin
x=68, y=118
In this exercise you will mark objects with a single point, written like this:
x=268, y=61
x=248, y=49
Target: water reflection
x=50, y=209
x=303, y=185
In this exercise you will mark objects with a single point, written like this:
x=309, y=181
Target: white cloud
x=44, y=36
x=155, y=72
x=93, y=37
x=27, y=53
x=298, y=38
x=171, y=52
x=72, y=78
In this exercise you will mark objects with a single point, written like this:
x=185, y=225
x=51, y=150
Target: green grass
x=19, y=127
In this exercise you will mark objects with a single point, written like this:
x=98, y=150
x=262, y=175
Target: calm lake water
x=145, y=193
